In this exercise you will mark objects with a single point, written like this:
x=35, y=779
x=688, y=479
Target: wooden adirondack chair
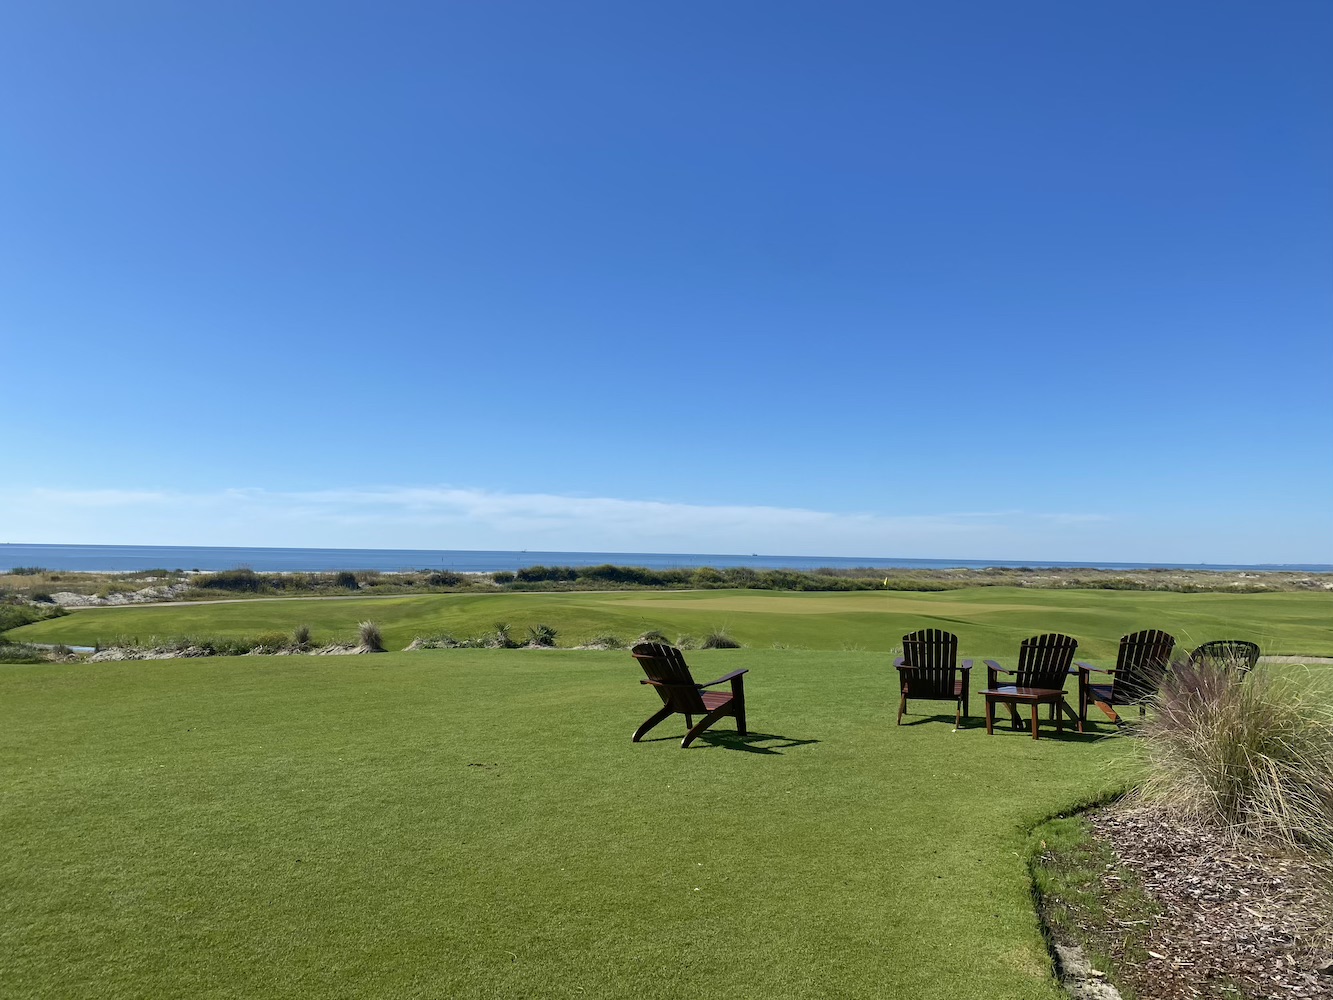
x=670, y=678
x=1043, y=667
x=929, y=669
x=1139, y=666
x=1227, y=653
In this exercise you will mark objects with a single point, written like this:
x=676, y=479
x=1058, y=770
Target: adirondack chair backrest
x=934, y=654
x=1140, y=665
x=1227, y=653
x=1044, y=660
x=665, y=665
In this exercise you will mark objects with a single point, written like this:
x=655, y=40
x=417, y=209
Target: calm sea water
x=125, y=558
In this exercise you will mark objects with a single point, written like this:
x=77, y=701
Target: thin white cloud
x=447, y=517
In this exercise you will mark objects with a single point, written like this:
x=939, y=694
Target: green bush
x=301, y=637
x=542, y=635
x=503, y=576
x=27, y=571
x=446, y=578
x=1251, y=755
x=242, y=581
x=346, y=579
x=14, y=615
x=539, y=574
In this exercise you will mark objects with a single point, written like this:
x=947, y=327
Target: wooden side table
x=1015, y=696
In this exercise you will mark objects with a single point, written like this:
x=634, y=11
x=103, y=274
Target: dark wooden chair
x=670, y=678
x=1226, y=654
x=1139, y=667
x=1043, y=668
x=928, y=669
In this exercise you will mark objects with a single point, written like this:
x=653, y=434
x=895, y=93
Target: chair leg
x=653, y=720
x=704, y=723
x=738, y=703
x=902, y=707
x=990, y=717
x=958, y=714
x=1064, y=707
x=1034, y=720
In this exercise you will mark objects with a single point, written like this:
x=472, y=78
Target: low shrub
x=501, y=638
x=446, y=578
x=1251, y=755
x=244, y=581
x=606, y=641
x=653, y=635
x=346, y=579
x=14, y=615
x=27, y=571
x=541, y=635
x=503, y=576
x=301, y=637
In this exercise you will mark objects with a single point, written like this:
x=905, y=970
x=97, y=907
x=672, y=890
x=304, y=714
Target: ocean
x=129, y=558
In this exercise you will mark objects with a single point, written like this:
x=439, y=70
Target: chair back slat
x=665, y=665
x=1139, y=666
x=934, y=655
x=1044, y=660
x=1227, y=653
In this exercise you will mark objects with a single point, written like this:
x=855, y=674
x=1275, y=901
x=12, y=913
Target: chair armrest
x=900, y=664
x=992, y=670
x=1086, y=667
x=730, y=676
x=966, y=667
x=656, y=684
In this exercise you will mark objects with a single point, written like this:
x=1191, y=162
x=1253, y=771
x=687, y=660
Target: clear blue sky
x=1041, y=280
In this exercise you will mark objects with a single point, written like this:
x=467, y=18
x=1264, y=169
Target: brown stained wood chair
x=929, y=670
x=1139, y=667
x=670, y=678
x=1225, y=654
x=1043, y=667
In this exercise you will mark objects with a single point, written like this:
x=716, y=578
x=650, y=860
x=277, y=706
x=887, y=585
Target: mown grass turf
x=990, y=622
x=478, y=824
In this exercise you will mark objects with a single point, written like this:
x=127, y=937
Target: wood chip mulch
x=1236, y=920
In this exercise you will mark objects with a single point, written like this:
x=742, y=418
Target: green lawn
x=989, y=621
x=477, y=824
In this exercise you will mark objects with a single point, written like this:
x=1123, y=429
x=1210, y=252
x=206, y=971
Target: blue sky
x=1032, y=280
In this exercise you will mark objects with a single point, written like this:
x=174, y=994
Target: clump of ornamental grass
x=1250, y=754
x=301, y=638
x=717, y=639
x=606, y=640
x=653, y=635
x=369, y=635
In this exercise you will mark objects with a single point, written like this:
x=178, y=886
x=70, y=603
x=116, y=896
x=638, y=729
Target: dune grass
x=989, y=621
x=473, y=823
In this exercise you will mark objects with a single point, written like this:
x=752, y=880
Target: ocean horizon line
x=295, y=559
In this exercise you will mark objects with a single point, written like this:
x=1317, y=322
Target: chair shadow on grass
x=749, y=743
x=1003, y=726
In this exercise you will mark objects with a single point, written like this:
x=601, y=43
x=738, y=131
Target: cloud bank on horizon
x=447, y=517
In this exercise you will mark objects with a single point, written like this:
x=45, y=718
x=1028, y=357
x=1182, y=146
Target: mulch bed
x=1236, y=920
